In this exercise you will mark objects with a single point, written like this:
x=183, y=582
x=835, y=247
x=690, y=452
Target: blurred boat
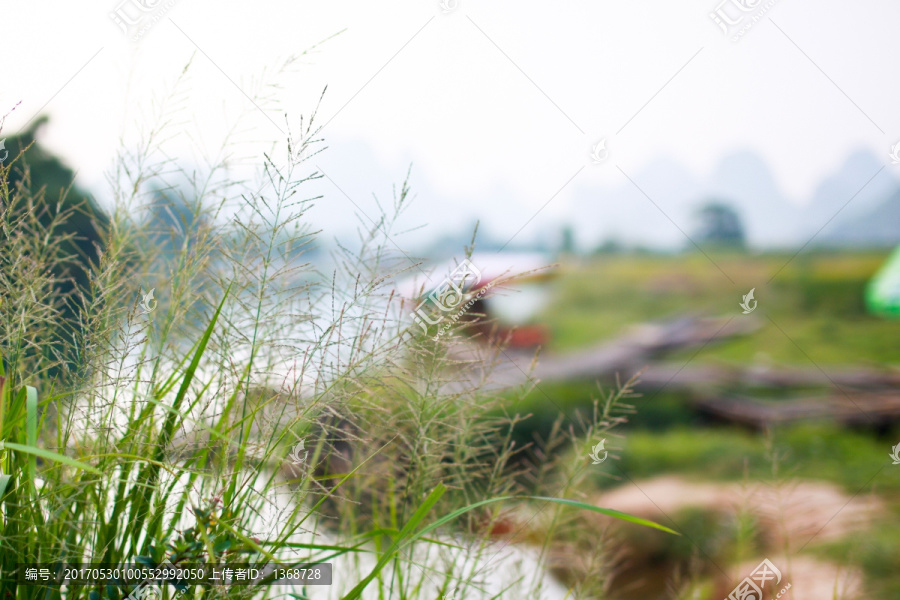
x=498, y=292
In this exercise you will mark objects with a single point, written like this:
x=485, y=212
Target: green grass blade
x=52, y=456
x=195, y=362
x=148, y=477
x=31, y=428
x=404, y=537
x=606, y=511
x=583, y=505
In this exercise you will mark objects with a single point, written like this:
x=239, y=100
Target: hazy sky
x=496, y=104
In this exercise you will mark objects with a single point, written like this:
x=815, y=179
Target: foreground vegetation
x=258, y=409
x=210, y=396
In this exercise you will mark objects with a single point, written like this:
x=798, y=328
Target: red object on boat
x=528, y=336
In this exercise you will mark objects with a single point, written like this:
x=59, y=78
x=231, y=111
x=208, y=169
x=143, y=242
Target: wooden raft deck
x=854, y=408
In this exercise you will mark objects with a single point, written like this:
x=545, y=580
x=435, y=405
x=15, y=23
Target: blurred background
x=716, y=187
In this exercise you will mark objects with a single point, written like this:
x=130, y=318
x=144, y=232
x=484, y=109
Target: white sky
x=496, y=104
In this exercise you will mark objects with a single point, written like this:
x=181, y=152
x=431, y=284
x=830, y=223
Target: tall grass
x=170, y=437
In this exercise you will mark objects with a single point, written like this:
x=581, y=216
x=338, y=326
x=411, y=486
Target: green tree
x=37, y=181
x=720, y=225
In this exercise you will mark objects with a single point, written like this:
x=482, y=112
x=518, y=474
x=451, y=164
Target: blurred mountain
x=744, y=179
x=856, y=188
x=858, y=204
x=741, y=180
x=655, y=209
x=624, y=213
x=879, y=227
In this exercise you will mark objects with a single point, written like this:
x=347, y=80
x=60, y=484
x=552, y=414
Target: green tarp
x=883, y=292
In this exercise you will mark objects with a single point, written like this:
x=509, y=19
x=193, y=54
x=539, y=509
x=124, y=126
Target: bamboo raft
x=850, y=408
x=851, y=396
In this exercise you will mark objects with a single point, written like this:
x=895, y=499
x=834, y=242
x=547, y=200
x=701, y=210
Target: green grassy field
x=811, y=314
x=816, y=301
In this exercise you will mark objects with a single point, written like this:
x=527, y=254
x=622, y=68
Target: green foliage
x=877, y=551
x=705, y=532
x=656, y=412
x=39, y=187
x=720, y=226
x=173, y=442
x=846, y=458
x=817, y=300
